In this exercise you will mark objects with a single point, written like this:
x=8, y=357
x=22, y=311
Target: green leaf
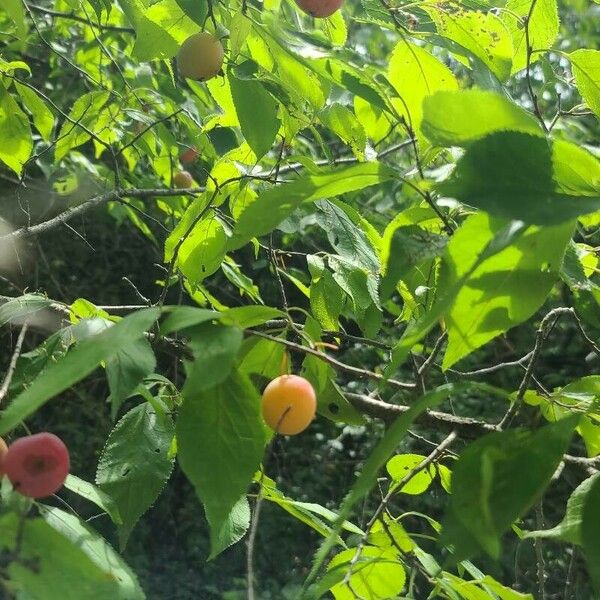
x=419, y=328
x=195, y=10
x=64, y=571
x=416, y=74
x=239, y=29
x=590, y=532
x=43, y=118
x=203, y=250
x=160, y=26
x=15, y=133
x=350, y=78
x=378, y=574
x=502, y=591
x=483, y=34
x=293, y=72
x=506, y=289
x=14, y=9
x=520, y=176
x=543, y=28
x=250, y=316
x=277, y=203
x=496, y=480
x=407, y=248
x=135, y=463
x=182, y=317
x=586, y=71
x=261, y=357
x=570, y=528
x=18, y=310
x=401, y=465
x=367, y=478
x=331, y=401
x=259, y=127
x=586, y=293
x=215, y=349
x=221, y=439
x=349, y=240
x=226, y=531
x=97, y=496
x=345, y=125
x=98, y=550
x=460, y=117
x=84, y=116
x=334, y=28
x=326, y=300
x=127, y=369
x=77, y=364
x=357, y=282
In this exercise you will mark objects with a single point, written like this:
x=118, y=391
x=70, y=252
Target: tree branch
x=360, y=373
x=73, y=17
x=13, y=362
x=114, y=195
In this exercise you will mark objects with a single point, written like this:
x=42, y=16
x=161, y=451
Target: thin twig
x=493, y=368
x=13, y=362
x=433, y=456
x=377, y=409
x=534, y=98
x=256, y=515
x=331, y=334
x=542, y=333
x=73, y=17
x=361, y=373
x=70, y=213
x=539, y=553
x=432, y=356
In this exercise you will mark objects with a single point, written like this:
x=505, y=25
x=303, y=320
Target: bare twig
x=69, y=213
x=493, y=368
x=432, y=356
x=13, y=363
x=256, y=515
x=534, y=98
x=361, y=373
x=73, y=17
x=282, y=323
x=469, y=427
x=540, y=338
x=539, y=553
x=433, y=456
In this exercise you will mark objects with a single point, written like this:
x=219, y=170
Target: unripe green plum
x=200, y=56
x=183, y=180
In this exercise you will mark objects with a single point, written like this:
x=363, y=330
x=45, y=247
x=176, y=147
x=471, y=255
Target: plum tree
x=319, y=8
x=183, y=180
x=289, y=404
x=189, y=155
x=37, y=465
x=3, y=451
x=200, y=56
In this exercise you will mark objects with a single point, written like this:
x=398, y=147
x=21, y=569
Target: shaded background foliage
x=90, y=257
